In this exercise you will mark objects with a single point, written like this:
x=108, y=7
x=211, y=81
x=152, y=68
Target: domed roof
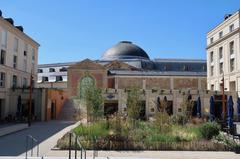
x=125, y=50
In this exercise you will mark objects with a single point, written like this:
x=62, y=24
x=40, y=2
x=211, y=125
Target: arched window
x=86, y=83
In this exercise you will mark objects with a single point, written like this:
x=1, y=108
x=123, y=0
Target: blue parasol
x=211, y=115
x=230, y=112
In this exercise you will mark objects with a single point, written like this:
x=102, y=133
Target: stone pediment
x=87, y=64
x=118, y=65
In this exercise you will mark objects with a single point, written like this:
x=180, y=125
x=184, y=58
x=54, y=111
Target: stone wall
x=174, y=96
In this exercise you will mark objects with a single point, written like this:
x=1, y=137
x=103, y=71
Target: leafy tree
x=93, y=99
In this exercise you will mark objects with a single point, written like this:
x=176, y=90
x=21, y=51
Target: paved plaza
x=47, y=133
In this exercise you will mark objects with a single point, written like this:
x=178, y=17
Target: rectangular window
x=231, y=47
x=221, y=68
x=40, y=71
x=231, y=28
x=3, y=57
x=24, y=82
x=211, y=71
x=220, y=52
x=15, y=45
x=51, y=70
x=14, y=61
x=2, y=79
x=4, y=38
x=59, y=78
x=14, y=81
x=25, y=53
x=220, y=34
x=45, y=79
x=232, y=65
x=211, y=40
x=211, y=56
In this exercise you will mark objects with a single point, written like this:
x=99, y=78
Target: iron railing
x=32, y=140
x=83, y=152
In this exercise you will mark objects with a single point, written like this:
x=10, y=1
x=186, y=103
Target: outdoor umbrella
x=238, y=108
x=211, y=115
x=199, y=107
x=230, y=112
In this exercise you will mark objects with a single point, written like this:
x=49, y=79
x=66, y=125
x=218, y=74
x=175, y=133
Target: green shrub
x=179, y=119
x=227, y=140
x=209, y=130
x=98, y=129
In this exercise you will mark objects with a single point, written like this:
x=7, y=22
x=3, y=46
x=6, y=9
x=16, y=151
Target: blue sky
x=72, y=30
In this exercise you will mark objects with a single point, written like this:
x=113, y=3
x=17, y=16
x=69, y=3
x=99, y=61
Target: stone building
x=223, y=54
x=53, y=75
x=126, y=65
x=18, y=59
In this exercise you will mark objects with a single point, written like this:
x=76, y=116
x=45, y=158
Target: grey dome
x=125, y=50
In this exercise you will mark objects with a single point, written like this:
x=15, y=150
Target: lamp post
x=223, y=100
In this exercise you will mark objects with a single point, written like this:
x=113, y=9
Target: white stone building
x=18, y=58
x=53, y=75
x=223, y=54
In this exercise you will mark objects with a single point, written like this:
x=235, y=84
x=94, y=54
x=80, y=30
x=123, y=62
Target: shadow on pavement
x=15, y=144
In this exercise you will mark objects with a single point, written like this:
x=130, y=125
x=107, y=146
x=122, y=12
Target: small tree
x=133, y=104
x=94, y=102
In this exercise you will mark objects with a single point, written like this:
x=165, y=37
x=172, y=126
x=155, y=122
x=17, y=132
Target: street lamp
x=223, y=99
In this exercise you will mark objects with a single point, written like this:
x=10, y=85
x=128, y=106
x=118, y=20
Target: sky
x=73, y=30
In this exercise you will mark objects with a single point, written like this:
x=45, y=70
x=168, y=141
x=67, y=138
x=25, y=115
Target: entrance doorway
x=169, y=108
x=110, y=108
x=53, y=111
x=218, y=106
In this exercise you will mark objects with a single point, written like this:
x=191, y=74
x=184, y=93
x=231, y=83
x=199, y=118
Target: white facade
x=53, y=75
x=223, y=55
x=18, y=58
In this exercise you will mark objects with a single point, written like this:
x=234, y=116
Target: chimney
x=19, y=28
x=227, y=16
x=10, y=20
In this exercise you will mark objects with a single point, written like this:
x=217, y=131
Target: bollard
x=75, y=147
x=32, y=148
x=81, y=152
x=26, y=145
x=70, y=143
